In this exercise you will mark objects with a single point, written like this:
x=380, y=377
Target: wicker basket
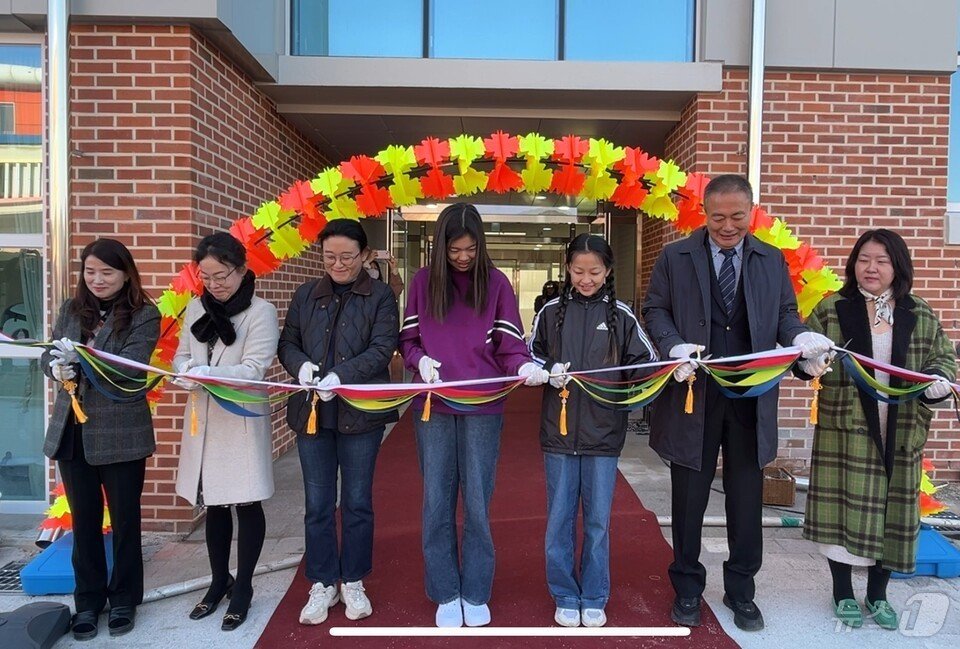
x=779, y=486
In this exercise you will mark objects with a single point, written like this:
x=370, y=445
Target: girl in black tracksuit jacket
x=585, y=328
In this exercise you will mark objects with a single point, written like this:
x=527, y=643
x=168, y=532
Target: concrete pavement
x=793, y=588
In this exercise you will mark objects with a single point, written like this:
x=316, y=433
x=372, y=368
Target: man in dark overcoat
x=721, y=291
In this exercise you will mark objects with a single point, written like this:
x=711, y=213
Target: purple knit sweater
x=469, y=345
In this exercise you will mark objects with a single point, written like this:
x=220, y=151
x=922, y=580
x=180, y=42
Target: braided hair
x=590, y=243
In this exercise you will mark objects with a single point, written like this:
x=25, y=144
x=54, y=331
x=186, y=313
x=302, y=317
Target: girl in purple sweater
x=461, y=322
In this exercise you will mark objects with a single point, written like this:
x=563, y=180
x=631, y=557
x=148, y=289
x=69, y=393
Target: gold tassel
x=426, y=408
x=312, y=420
x=688, y=406
x=564, y=393
x=194, y=425
x=71, y=388
x=815, y=404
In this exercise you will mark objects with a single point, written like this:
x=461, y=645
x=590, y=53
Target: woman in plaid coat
x=862, y=506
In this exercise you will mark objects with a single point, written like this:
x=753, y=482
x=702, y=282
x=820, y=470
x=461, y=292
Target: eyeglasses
x=217, y=280
x=346, y=259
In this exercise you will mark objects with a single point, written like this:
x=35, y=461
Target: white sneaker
x=476, y=615
x=321, y=598
x=567, y=617
x=450, y=614
x=593, y=617
x=357, y=603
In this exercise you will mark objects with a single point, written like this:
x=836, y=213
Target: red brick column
x=174, y=142
x=842, y=153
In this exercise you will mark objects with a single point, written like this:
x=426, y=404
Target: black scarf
x=215, y=323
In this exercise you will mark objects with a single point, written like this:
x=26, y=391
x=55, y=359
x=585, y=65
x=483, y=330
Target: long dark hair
x=899, y=258
x=591, y=243
x=454, y=222
x=86, y=305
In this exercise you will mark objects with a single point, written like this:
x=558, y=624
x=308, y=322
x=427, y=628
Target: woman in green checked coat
x=862, y=506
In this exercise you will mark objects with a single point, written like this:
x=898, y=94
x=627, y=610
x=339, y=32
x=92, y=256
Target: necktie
x=727, y=278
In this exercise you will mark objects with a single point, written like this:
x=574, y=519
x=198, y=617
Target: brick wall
x=175, y=142
x=842, y=153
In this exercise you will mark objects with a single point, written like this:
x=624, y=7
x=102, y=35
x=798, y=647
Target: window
x=545, y=30
x=494, y=29
x=23, y=410
x=953, y=160
x=628, y=30
x=358, y=28
x=7, y=119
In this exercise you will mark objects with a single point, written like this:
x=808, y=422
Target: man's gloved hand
x=812, y=344
x=307, y=373
x=938, y=390
x=559, y=377
x=533, y=374
x=65, y=349
x=685, y=350
x=331, y=380
x=818, y=366
x=428, y=370
x=62, y=371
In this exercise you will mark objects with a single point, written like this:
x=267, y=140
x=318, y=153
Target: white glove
x=61, y=371
x=938, y=390
x=559, y=377
x=65, y=349
x=186, y=384
x=199, y=371
x=685, y=350
x=818, y=366
x=331, y=380
x=428, y=370
x=307, y=373
x=812, y=344
x=533, y=374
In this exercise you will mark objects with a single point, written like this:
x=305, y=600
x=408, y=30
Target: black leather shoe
x=84, y=625
x=121, y=619
x=686, y=611
x=211, y=601
x=237, y=612
x=746, y=615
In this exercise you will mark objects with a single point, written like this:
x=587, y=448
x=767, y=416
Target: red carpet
x=641, y=592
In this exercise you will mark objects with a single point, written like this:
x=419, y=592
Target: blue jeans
x=573, y=480
x=320, y=457
x=458, y=453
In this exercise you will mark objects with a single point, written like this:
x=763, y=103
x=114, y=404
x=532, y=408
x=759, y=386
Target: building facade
x=185, y=116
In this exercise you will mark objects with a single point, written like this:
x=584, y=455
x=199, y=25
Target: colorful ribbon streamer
x=738, y=377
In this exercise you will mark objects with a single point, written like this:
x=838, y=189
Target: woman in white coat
x=226, y=459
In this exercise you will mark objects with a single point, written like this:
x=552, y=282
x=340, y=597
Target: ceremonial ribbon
x=737, y=377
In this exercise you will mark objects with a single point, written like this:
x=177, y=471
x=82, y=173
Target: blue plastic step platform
x=936, y=556
x=51, y=571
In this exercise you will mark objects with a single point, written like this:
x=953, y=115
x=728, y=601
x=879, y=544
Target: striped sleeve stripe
x=643, y=336
x=410, y=322
x=506, y=325
x=510, y=331
x=533, y=335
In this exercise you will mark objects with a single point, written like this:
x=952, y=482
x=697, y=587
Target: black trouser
x=123, y=483
x=743, y=485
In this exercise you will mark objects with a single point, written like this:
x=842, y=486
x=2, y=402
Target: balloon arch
x=435, y=169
